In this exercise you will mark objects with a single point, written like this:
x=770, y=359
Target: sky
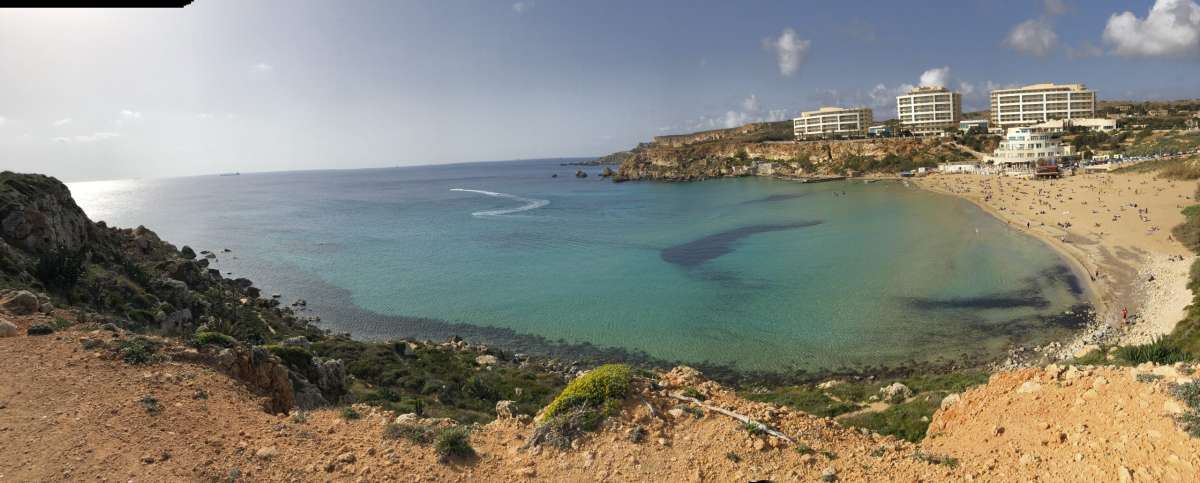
x=230, y=85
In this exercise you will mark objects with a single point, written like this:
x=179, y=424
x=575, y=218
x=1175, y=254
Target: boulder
x=7, y=329
x=681, y=376
x=38, y=215
x=20, y=302
x=261, y=370
x=486, y=360
x=187, y=252
x=895, y=393
x=506, y=409
x=177, y=320
x=580, y=174
x=950, y=400
x=1085, y=350
x=266, y=453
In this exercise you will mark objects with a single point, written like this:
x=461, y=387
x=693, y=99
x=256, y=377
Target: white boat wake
x=530, y=203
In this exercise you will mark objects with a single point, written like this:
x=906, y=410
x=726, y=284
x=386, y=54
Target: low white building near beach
x=958, y=168
x=1022, y=150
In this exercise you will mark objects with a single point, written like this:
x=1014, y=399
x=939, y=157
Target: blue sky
x=269, y=85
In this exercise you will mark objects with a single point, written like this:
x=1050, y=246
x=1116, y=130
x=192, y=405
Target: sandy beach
x=1115, y=228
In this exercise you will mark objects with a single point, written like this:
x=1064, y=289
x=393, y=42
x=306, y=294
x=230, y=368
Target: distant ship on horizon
x=235, y=173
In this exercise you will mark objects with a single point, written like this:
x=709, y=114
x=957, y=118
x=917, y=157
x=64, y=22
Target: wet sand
x=1116, y=229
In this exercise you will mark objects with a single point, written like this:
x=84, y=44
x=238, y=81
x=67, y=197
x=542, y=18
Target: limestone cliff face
x=37, y=214
x=134, y=279
x=697, y=158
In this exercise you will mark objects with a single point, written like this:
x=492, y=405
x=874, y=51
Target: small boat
x=231, y=174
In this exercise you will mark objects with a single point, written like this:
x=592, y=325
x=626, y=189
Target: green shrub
x=601, y=389
x=934, y=459
x=294, y=356
x=694, y=394
x=1160, y=351
x=150, y=404
x=137, y=350
x=1188, y=393
x=453, y=443
x=1190, y=422
x=61, y=323
x=40, y=329
x=207, y=337
x=349, y=413
x=807, y=399
x=908, y=420
x=59, y=269
x=415, y=433
x=300, y=417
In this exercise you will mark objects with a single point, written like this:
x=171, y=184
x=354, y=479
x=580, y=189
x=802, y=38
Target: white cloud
x=937, y=77
x=263, y=67
x=750, y=110
x=882, y=95
x=1033, y=36
x=1172, y=28
x=790, y=51
x=87, y=138
x=750, y=103
x=522, y=7
x=966, y=88
x=1056, y=7
x=61, y=122
x=775, y=115
x=735, y=118
x=130, y=115
x=3, y=120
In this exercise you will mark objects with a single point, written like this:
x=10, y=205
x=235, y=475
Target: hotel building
x=1022, y=149
x=929, y=110
x=1040, y=103
x=832, y=121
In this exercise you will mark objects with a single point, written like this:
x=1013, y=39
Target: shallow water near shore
x=756, y=274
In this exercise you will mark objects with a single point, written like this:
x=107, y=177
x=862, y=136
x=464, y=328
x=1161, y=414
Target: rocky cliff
x=738, y=152
x=132, y=279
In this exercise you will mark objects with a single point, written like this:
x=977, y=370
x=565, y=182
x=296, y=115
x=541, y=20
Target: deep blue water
x=754, y=273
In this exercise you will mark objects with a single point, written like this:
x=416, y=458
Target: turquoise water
x=752, y=273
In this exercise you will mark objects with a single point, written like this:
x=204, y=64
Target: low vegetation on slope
x=1187, y=332
x=584, y=404
x=906, y=416
x=132, y=279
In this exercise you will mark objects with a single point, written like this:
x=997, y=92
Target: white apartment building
x=828, y=121
x=929, y=110
x=1036, y=103
x=1022, y=149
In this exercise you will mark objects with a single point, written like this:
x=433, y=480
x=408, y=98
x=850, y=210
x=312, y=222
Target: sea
x=748, y=274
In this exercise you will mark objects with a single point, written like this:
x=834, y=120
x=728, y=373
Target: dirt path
x=71, y=414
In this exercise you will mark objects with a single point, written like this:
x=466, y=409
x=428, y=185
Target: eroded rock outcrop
x=37, y=214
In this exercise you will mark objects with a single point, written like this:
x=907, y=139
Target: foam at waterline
x=530, y=203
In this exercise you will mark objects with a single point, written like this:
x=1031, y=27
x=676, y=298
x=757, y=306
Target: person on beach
x=1124, y=315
